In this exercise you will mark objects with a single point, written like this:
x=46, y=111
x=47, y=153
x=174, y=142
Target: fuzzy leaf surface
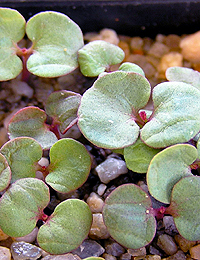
x=30, y=121
x=12, y=30
x=129, y=66
x=127, y=215
x=98, y=55
x=176, y=117
x=5, y=173
x=22, y=205
x=63, y=106
x=138, y=156
x=185, y=207
x=167, y=168
x=186, y=75
x=67, y=227
x=56, y=41
x=70, y=165
x=22, y=154
x=106, y=115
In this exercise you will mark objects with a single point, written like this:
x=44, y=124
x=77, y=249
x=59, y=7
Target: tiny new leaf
x=56, y=41
x=12, y=30
x=22, y=154
x=167, y=168
x=109, y=109
x=22, y=205
x=129, y=217
x=70, y=165
x=66, y=228
x=5, y=173
x=30, y=121
x=62, y=106
x=176, y=118
x=185, y=207
x=95, y=57
x=129, y=66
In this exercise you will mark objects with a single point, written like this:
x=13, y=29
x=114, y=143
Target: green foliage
x=131, y=67
x=109, y=109
x=5, y=173
x=67, y=228
x=96, y=57
x=128, y=216
x=55, y=39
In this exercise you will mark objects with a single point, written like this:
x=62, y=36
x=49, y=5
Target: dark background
x=143, y=18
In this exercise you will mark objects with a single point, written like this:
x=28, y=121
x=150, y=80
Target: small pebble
x=115, y=249
x=154, y=251
x=110, y=36
x=21, y=88
x=44, y=162
x=195, y=252
x=101, y=189
x=137, y=252
x=110, y=169
x=24, y=251
x=3, y=236
x=158, y=50
x=183, y=243
x=109, y=257
x=172, y=41
x=179, y=255
x=136, y=45
x=167, y=244
x=125, y=47
x=30, y=238
x=126, y=256
x=190, y=47
x=98, y=229
x=95, y=203
x=5, y=253
x=62, y=257
x=170, y=227
x=89, y=248
x=148, y=257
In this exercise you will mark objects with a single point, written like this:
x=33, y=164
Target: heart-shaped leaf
x=5, y=173
x=62, y=106
x=96, y=56
x=128, y=216
x=12, y=30
x=109, y=109
x=22, y=205
x=185, y=207
x=22, y=154
x=129, y=66
x=67, y=227
x=176, y=117
x=30, y=121
x=182, y=74
x=56, y=41
x=167, y=168
x=138, y=156
x=70, y=165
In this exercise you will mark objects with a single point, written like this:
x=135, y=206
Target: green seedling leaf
x=128, y=216
x=176, y=117
x=198, y=148
x=167, y=168
x=62, y=106
x=22, y=205
x=185, y=207
x=138, y=156
x=12, y=30
x=5, y=173
x=56, y=41
x=186, y=75
x=95, y=57
x=22, y=154
x=67, y=227
x=70, y=165
x=109, y=109
x=30, y=121
x=129, y=66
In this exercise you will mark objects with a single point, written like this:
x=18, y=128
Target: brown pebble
x=137, y=252
x=195, y=252
x=167, y=244
x=109, y=257
x=178, y=256
x=98, y=229
x=95, y=203
x=158, y=50
x=5, y=253
x=125, y=47
x=183, y=243
x=172, y=41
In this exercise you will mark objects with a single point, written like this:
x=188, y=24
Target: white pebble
x=43, y=162
x=110, y=169
x=5, y=253
x=101, y=189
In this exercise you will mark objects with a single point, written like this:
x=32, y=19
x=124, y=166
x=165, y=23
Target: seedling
x=162, y=142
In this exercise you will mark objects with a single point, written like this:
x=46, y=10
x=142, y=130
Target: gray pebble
x=24, y=251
